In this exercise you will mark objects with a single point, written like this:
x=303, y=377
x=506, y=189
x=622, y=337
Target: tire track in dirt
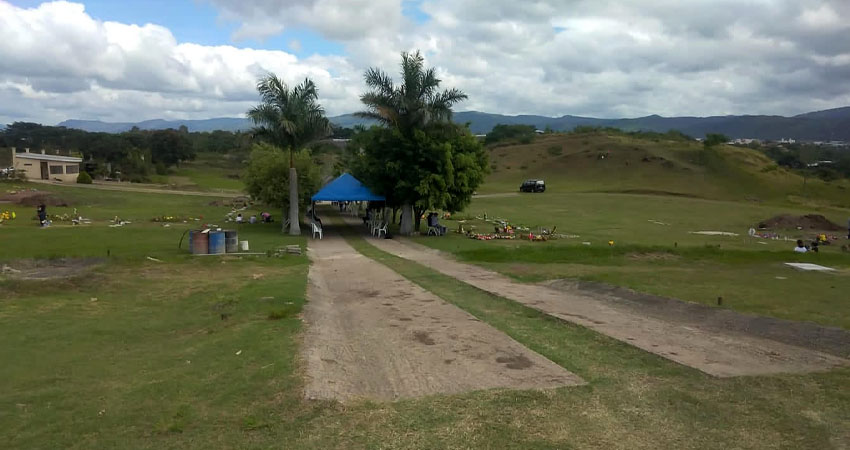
x=717, y=353
x=372, y=334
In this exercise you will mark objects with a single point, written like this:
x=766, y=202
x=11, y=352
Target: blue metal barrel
x=217, y=242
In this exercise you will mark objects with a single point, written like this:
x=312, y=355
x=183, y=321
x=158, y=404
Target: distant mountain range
x=828, y=125
x=221, y=123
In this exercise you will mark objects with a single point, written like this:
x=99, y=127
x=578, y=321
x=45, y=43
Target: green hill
x=654, y=164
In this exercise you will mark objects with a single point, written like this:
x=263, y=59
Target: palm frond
x=379, y=81
x=290, y=118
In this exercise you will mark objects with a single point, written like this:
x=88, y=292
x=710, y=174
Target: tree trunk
x=283, y=219
x=294, y=226
x=395, y=210
x=419, y=212
x=406, y=227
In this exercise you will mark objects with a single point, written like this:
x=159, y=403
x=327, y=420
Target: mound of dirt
x=48, y=269
x=806, y=222
x=34, y=198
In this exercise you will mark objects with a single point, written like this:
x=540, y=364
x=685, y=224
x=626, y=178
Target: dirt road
x=106, y=186
x=372, y=334
x=718, y=353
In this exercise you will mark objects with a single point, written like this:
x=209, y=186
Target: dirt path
x=148, y=190
x=497, y=195
x=718, y=353
x=372, y=334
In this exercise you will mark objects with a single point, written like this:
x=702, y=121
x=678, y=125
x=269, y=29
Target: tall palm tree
x=412, y=105
x=291, y=119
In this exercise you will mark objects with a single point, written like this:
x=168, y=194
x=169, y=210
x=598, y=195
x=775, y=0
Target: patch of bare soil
x=718, y=351
x=372, y=334
x=806, y=222
x=832, y=340
x=48, y=269
x=33, y=198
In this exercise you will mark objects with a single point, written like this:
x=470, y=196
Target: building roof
x=346, y=188
x=56, y=158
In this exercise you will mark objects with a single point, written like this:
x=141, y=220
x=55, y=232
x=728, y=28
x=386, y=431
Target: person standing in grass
x=42, y=214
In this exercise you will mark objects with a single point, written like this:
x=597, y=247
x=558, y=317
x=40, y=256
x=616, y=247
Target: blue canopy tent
x=346, y=188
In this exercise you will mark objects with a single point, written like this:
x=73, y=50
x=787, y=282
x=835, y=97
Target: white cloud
x=605, y=58
x=337, y=19
x=62, y=63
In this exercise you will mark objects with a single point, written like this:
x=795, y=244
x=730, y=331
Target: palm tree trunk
x=294, y=226
x=406, y=227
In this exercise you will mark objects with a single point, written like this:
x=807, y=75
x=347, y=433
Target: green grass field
x=665, y=260
x=207, y=172
x=201, y=352
x=574, y=163
x=677, y=188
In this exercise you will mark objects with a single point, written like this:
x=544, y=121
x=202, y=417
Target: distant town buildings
x=744, y=141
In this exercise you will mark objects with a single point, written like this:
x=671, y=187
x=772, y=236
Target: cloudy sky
x=135, y=60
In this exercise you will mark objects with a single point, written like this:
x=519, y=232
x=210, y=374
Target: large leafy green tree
x=408, y=108
x=170, y=147
x=267, y=176
x=290, y=118
x=439, y=166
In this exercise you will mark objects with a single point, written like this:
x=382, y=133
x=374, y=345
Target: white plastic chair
x=381, y=229
x=316, y=230
x=433, y=231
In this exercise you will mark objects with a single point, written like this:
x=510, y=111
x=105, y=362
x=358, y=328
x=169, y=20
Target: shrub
x=502, y=132
x=713, y=139
x=84, y=178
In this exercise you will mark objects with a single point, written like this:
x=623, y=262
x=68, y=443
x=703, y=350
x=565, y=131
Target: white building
x=40, y=166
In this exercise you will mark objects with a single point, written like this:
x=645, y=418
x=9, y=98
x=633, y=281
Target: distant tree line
x=827, y=163
x=503, y=134
x=133, y=155
x=510, y=134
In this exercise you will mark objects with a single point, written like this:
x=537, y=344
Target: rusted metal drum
x=198, y=242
